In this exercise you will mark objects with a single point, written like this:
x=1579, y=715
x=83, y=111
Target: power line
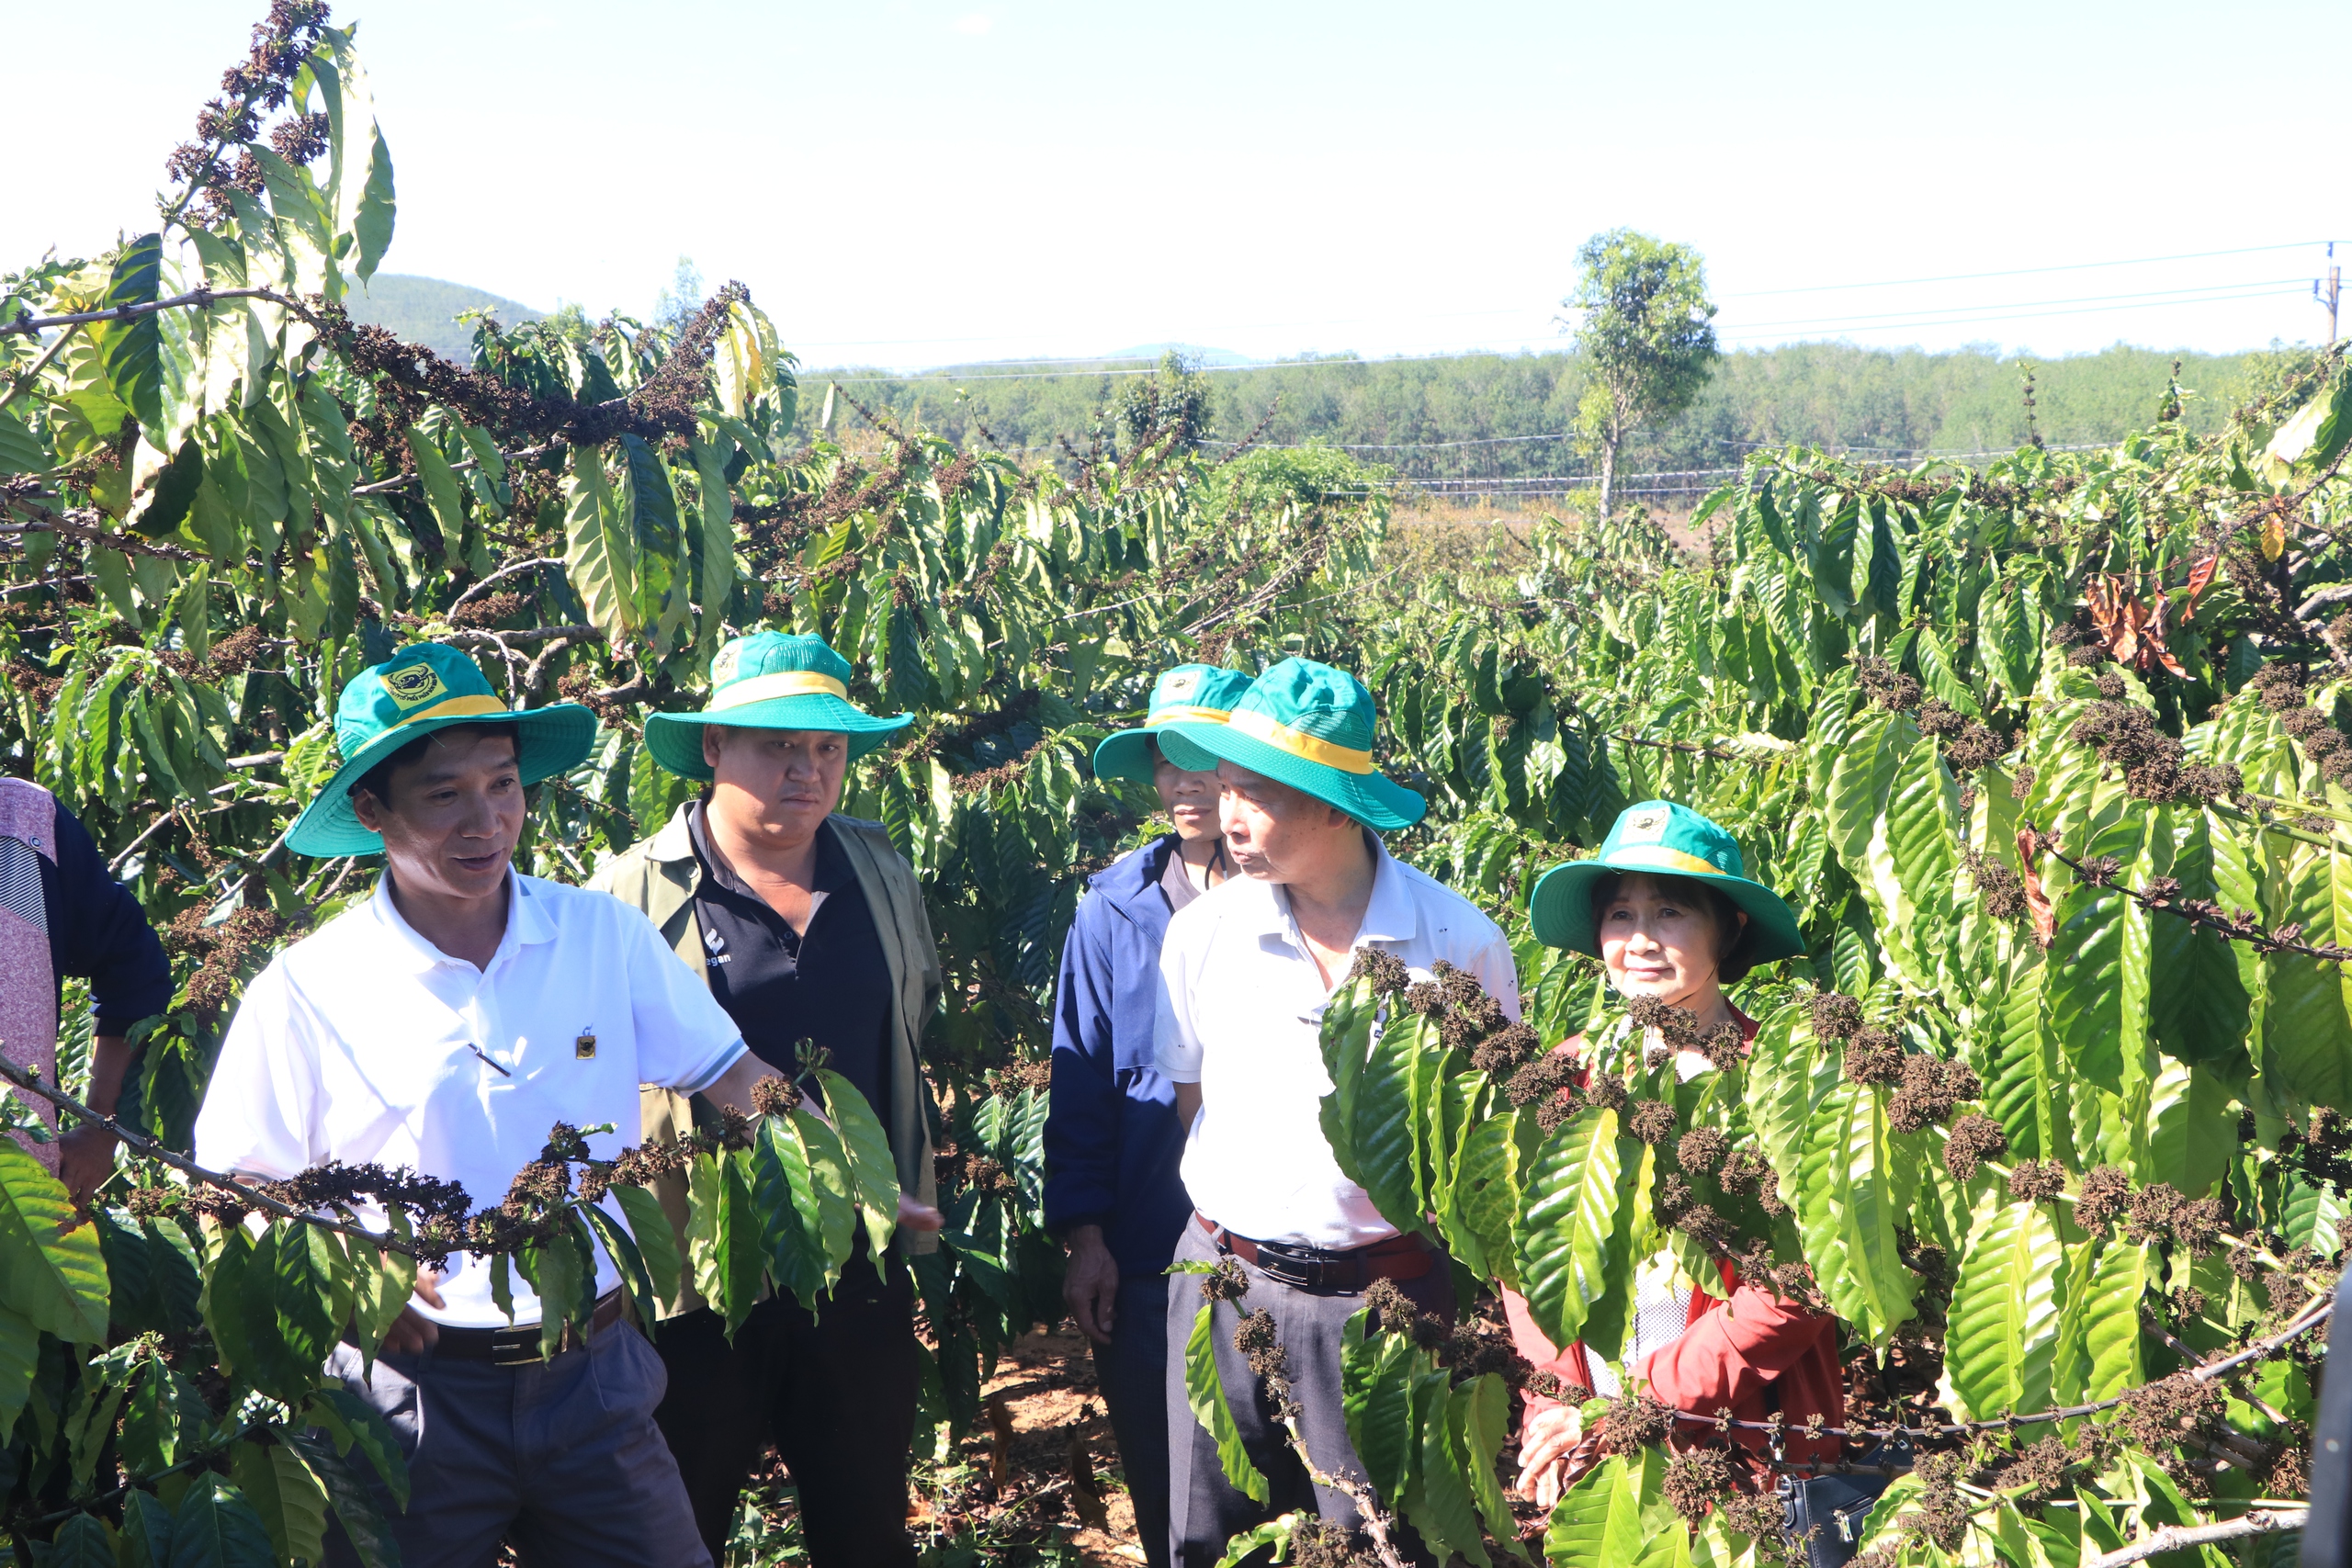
x=2021, y=272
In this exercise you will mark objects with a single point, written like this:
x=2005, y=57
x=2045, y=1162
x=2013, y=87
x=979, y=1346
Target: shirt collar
x=1390, y=915
x=528, y=922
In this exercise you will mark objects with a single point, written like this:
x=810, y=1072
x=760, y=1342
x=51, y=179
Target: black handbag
x=1829, y=1513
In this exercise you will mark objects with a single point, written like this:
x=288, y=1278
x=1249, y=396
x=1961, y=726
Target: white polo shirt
x=1240, y=1013
x=358, y=1043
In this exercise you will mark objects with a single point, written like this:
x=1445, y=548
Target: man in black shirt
x=758, y=884
x=755, y=962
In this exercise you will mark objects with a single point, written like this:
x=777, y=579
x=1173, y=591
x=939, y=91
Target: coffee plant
x=2050, y=760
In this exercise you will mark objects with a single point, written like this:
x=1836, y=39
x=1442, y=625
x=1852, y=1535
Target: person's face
x=1272, y=831
x=453, y=816
x=774, y=784
x=1190, y=799
x=1658, y=943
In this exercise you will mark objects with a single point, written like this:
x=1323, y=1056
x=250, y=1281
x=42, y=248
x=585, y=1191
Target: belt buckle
x=517, y=1351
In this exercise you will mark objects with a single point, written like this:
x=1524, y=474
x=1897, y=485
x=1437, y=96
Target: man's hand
x=917, y=1215
x=1091, y=1284
x=1555, y=1454
x=85, y=1151
x=413, y=1331
x=85, y=1159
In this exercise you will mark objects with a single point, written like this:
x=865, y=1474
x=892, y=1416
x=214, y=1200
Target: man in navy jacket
x=1113, y=1140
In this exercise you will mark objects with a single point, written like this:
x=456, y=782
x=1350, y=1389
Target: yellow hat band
x=1658, y=857
x=456, y=707
x=783, y=684
x=1260, y=725
x=1189, y=715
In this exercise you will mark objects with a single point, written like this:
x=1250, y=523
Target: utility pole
x=2329, y=291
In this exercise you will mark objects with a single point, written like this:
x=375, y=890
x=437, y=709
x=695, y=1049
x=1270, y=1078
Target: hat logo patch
x=414, y=686
x=722, y=668
x=1183, y=682
x=1647, y=825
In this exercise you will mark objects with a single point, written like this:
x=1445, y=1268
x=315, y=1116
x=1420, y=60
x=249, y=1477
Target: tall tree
x=1647, y=329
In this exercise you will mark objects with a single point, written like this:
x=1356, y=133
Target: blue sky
x=904, y=183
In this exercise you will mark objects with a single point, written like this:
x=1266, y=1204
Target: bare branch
x=2176, y=1538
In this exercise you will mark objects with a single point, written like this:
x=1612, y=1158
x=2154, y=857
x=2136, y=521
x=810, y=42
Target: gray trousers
x=1133, y=1370
x=1205, y=1509
x=561, y=1457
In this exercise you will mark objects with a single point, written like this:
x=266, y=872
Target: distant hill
x=425, y=310
x=1193, y=353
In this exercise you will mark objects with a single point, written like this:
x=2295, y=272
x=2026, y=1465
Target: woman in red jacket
x=1667, y=906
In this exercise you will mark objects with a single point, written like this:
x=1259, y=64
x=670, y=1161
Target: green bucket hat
x=769, y=681
x=1310, y=726
x=416, y=692
x=1190, y=693
x=1665, y=840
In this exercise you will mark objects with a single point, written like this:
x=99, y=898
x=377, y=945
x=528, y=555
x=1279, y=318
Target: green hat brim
x=675, y=739
x=548, y=740
x=1560, y=910
x=1374, y=798
x=1127, y=755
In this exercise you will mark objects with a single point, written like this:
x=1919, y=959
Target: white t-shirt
x=358, y=1043
x=1240, y=1012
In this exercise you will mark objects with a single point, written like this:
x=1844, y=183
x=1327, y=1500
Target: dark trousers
x=560, y=1458
x=1206, y=1510
x=1133, y=1370
x=835, y=1392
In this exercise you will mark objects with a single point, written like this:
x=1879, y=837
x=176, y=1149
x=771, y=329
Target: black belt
x=520, y=1346
x=1322, y=1268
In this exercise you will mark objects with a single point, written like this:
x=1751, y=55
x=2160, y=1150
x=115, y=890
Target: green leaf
x=1345, y=1039
x=2191, y=1133
x=146, y=1539
x=1377, y=1376
x=1563, y=1233
x=53, y=1270
x=1442, y=1506
x=1481, y=1410
x=1598, y=1522
x=310, y=1268
x=2198, y=1006
x=2026, y=1090
x=2307, y=1021
x=1849, y=1212
x=2004, y=1318
x=2099, y=968
x=873, y=1174
x=2105, y=1313
x=289, y=1499
x=163, y=1422
x=830, y=1210
x=353, y=1508
x=1387, y=1118
x=599, y=558
x=657, y=1238
x=1485, y=1196
x=216, y=1528
x=1275, y=1532
x=132, y=350
x=626, y=1257
x=82, y=1541
x=20, y=1359
x=1205, y=1393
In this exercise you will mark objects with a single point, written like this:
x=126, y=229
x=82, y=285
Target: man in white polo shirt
x=447, y=1024
x=1246, y=973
